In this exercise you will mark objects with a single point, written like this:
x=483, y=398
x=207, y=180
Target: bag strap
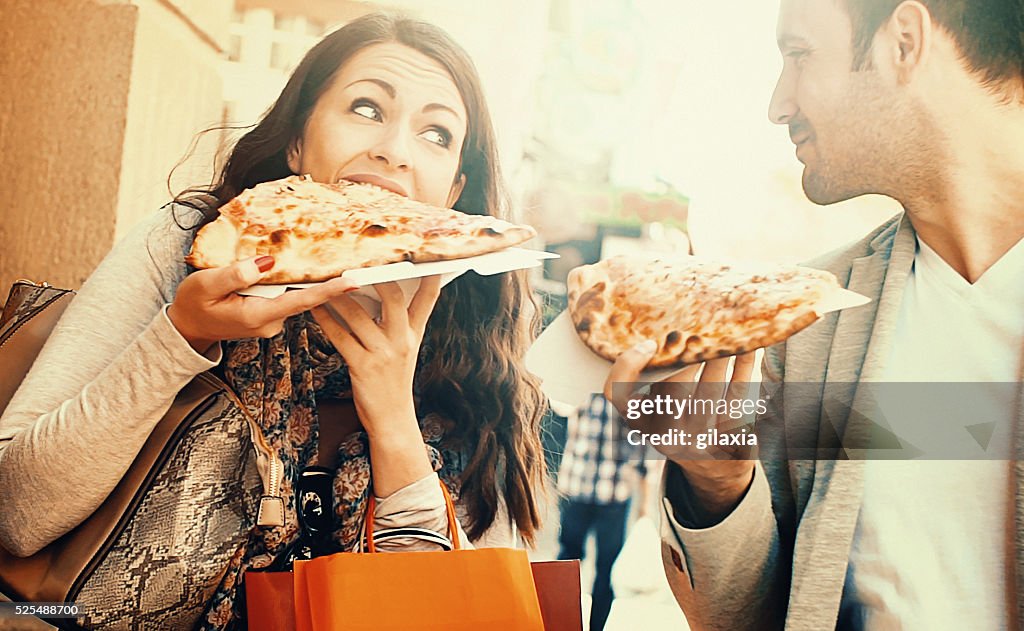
x=31, y=312
x=407, y=532
x=453, y=526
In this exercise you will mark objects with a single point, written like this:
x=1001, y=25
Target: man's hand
x=717, y=476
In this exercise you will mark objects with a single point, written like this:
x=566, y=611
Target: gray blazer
x=779, y=560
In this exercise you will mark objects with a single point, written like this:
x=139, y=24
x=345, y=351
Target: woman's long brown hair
x=481, y=327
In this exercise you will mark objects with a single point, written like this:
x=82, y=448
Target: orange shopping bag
x=457, y=590
x=269, y=601
x=271, y=595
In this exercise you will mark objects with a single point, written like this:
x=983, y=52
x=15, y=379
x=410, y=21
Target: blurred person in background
x=923, y=101
x=598, y=476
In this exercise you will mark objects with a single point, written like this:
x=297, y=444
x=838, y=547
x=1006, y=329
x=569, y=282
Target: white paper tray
x=570, y=372
x=408, y=274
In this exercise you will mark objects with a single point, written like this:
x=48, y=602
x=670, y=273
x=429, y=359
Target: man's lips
x=376, y=180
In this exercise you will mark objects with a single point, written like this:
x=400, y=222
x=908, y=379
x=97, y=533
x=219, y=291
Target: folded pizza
x=695, y=310
x=317, y=231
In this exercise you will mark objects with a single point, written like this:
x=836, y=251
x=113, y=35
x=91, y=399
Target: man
x=599, y=472
x=922, y=101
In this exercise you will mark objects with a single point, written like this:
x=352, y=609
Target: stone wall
x=98, y=100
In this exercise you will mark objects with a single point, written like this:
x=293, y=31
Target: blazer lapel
x=1017, y=557
x=889, y=269
x=860, y=344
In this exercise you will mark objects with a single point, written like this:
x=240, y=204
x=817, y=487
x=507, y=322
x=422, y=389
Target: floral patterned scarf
x=279, y=381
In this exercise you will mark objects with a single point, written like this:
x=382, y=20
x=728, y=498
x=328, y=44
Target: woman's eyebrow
x=384, y=85
x=431, y=107
x=390, y=90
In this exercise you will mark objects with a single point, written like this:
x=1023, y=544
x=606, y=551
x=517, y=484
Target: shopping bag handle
x=453, y=527
x=422, y=534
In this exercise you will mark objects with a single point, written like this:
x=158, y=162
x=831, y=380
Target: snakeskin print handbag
x=154, y=552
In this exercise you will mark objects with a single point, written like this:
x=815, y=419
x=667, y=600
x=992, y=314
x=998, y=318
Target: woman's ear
x=457, y=186
x=295, y=155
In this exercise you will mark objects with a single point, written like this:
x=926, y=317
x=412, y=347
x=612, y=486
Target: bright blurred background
x=611, y=115
x=621, y=123
x=624, y=125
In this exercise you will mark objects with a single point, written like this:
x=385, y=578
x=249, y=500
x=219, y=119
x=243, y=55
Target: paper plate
x=571, y=372
x=408, y=275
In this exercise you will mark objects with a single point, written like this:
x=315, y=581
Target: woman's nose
x=392, y=147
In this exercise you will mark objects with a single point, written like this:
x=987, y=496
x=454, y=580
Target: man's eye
x=438, y=136
x=797, y=56
x=366, y=110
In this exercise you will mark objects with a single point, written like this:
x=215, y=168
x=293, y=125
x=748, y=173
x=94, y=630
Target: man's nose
x=782, y=106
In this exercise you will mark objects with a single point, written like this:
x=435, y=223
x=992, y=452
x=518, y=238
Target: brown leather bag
x=29, y=315
x=153, y=553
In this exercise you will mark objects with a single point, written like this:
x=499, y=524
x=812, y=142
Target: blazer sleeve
x=733, y=575
x=104, y=378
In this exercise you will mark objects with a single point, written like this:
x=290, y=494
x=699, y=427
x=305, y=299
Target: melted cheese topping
x=695, y=310
x=317, y=231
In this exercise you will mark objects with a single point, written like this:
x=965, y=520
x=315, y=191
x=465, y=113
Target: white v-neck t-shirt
x=931, y=546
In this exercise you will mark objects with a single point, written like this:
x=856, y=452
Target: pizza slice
x=317, y=231
x=695, y=310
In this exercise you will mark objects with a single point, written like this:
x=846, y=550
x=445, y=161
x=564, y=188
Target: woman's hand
x=206, y=308
x=381, y=358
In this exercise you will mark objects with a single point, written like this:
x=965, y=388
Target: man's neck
x=976, y=212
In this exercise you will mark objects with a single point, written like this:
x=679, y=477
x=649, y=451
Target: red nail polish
x=264, y=263
x=349, y=290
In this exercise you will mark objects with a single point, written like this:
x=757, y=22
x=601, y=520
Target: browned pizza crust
x=695, y=310
x=318, y=231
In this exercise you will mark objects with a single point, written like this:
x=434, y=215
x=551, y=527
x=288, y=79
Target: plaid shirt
x=599, y=465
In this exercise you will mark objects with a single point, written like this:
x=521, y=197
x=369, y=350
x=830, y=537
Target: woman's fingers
x=220, y=282
x=423, y=302
x=296, y=301
x=359, y=322
x=207, y=307
x=394, y=316
x=347, y=345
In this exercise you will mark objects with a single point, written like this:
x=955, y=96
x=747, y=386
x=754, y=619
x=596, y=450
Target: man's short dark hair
x=989, y=33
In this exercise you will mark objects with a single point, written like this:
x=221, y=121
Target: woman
x=383, y=100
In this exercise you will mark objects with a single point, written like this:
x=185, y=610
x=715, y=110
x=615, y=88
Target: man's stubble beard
x=875, y=144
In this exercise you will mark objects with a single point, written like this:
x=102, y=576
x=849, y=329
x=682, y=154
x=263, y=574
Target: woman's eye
x=439, y=137
x=366, y=110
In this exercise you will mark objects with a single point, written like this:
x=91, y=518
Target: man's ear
x=457, y=186
x=294, y=155
x=908, y=35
